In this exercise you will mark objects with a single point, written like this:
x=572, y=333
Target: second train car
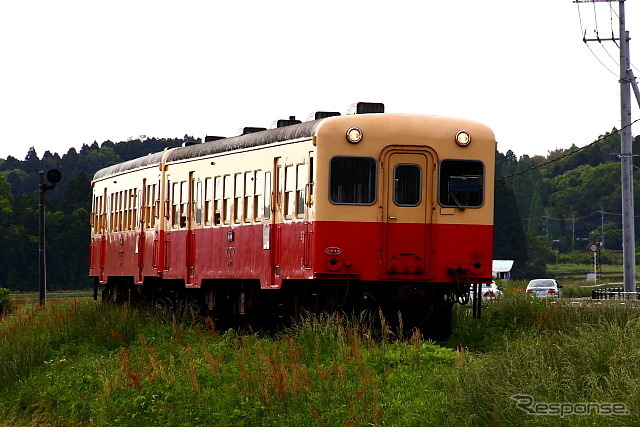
x=357, y=212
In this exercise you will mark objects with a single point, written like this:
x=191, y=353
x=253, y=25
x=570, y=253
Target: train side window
x=120, y=211
x=238, y=197
x=352, y=181
x=311, y=178
x=95, y=215
x=137, y=208
x=267, y=195
x=199, y=202
x=217, y=200
x=208, y=193
x=184, y=196
x=301, y=184
x=258, y=196
x=100, y=216
x=155, y=203
x=228, y=197
x=146, y=214
x=289, y=187
x=92, y=221
x=111, y=211
x=249, y=190
x=175, y=205
x=133, y=204
x=128, y=198
x=407, y=185
x=461, y=183
x=123, y=210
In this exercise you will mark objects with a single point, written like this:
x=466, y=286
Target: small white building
x=501, y=268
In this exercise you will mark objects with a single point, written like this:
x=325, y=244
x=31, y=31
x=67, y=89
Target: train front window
x=461, y=184
x=352, y=181
x=407, y=186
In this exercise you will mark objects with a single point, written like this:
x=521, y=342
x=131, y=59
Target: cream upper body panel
x=382, y=132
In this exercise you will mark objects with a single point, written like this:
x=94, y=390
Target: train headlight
x=463, y=138
x=354, y=135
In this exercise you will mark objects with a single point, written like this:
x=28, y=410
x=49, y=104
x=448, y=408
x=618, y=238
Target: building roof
x=502, y=265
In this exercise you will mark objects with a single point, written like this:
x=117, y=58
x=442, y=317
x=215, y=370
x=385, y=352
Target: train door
x=102, y=229
x=407, y=212
x=142, y=223
x=277, y=219
x=190, y=256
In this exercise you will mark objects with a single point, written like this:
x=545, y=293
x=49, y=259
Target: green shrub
x=5, y=301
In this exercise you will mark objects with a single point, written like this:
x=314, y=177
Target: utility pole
x=573, y=231
x=626, y=161
x=626, y=152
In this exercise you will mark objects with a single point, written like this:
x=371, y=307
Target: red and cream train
x=352, y=212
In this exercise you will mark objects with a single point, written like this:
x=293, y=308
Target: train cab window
x=407, y=185
x=461, y=183
x=352, y=181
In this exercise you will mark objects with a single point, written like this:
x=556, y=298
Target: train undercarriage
x=243, y=304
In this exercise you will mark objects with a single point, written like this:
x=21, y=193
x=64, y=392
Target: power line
x=602, y=138
x=584, y=39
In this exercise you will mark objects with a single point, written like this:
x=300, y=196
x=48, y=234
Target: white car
x=487, y=290
x=544, y=288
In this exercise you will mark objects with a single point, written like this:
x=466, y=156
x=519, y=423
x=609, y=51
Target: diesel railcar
x=360, y=211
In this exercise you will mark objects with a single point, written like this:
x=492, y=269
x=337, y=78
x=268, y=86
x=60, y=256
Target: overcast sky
x=75, y=72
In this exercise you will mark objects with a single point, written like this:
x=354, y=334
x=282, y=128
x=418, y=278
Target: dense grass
x=555, y=351
x=82, y=363
x=88, y=364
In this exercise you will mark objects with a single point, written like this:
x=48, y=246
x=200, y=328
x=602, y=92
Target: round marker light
x=354, y=135
x=463, y=138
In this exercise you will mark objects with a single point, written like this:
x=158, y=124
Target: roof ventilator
x=210, y=138
x=366, y=108
x=285, y=122
x=322, y=115
x=248, y=130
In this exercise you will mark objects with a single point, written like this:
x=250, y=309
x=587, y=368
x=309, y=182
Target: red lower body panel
x=321, y=250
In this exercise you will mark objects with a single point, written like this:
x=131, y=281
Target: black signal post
x=53, y=176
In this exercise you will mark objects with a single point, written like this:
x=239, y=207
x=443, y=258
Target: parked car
x=488, y=291
x=544, y=288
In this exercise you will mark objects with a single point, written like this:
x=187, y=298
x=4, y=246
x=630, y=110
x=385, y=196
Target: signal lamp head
x=463, y=138
x=354, y=135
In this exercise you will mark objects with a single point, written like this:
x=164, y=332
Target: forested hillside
x=67, y=211
x=570, y=200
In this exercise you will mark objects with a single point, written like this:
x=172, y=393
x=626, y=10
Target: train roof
x=287, y=133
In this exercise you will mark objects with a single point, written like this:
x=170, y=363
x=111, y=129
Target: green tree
x=509, y=240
